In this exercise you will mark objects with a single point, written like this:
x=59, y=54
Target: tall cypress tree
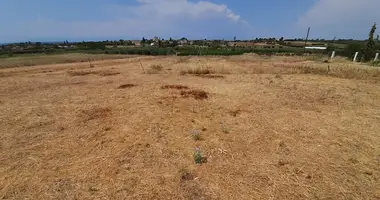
x=369, y=51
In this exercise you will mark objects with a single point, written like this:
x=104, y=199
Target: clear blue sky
x=48, y=20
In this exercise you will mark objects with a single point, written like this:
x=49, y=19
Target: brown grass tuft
x=211, y=76
x=94, y=113
x=186, y=175
x=197, y=71
x=178, y=87
x=155, y=69
x=129, y=85
x=80, y=73
x=107, y=73
x=196, y=94
x=234, y=113
x=100, y=73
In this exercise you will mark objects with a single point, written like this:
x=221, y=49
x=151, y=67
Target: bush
x=154, y=69
x=352, y=48
x=376, y=63
x=199, y=158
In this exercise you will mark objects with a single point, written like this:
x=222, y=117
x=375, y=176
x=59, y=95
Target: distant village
x=159, y=42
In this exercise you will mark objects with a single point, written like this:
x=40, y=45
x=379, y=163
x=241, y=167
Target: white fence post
x=376, y=56
x=356, y=56
x=332, y=55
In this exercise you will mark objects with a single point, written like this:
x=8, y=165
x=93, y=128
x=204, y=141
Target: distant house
x=183, y=41
x=136, y=42
x=156, y=39
x=319, y=48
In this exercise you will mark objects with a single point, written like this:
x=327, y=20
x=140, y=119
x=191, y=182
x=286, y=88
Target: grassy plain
x=267, y=127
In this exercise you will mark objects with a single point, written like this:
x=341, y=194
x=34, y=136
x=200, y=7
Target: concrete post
x=356, y=56
x=377, y=56
x=332, y=55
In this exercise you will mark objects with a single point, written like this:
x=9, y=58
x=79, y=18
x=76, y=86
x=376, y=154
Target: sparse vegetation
x=33, y=60
x=309, y=135
x=212, y=76
x=197, y=71
x=155, y=69
x=199, y=157
x=186, y=175
x=129, y=85
x=375, y=63
x=80, y=73
x=100, y=73
x=196, y=94
x=178, y=87
x=225, y=130
x=196, y=135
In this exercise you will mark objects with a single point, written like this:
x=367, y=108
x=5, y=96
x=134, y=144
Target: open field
x=268, y=128
x=39, y=59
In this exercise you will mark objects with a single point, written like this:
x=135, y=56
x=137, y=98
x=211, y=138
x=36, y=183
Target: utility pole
x=307, y=37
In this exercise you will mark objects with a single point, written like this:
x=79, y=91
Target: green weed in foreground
x=199, y=158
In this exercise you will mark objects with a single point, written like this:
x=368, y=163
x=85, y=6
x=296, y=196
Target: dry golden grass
x=100, y=73
x=272, y=128
x=32, y=60
x=178, y=87
x=128, y=85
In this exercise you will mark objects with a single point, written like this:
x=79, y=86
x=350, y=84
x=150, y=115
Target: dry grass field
x=40, y=59
x=265, y=128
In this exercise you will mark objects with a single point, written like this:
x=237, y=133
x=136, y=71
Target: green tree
x=369, y=51
x=281, y=40
x=352, y=48
x=38, y=45
x=143, y=41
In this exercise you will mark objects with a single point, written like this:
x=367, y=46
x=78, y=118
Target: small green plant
x=199, y=158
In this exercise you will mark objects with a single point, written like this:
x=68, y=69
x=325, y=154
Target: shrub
x=376, y=63
x=196, y=94
x=199, y=158
x=154, y=69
